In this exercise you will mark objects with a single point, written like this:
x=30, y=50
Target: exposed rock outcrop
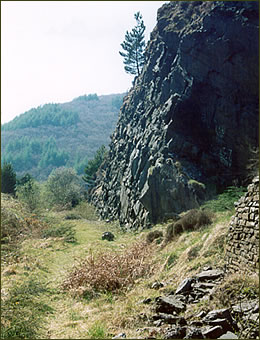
x=191, y=116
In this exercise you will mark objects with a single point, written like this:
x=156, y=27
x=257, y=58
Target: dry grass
x=236, y=286
x=192, y=220
x=110, y=271
x=153, y=235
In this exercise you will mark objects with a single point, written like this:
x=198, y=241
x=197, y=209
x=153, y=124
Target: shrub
x=29, y=193
x=65, y=231
x=8, y=179
x=153, y=235
x=64, y=188
x=97, y=331
x=192, y=220
x=225, y=201
x=109, y=271
x=22, y=312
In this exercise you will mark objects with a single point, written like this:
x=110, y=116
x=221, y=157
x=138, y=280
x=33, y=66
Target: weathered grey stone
x=228, y=335
x=107, y=235
x=213, y=332
x=223, y=313
x=191, y=114
x=175, y=333
x=194, y=333
x=247, y=306
x=157, y=285
x=169, y=305
x=120, y=336
x=210, y=275
x=184, y=286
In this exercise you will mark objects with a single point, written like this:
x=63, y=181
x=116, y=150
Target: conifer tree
x=8, y=179
x=133, y=46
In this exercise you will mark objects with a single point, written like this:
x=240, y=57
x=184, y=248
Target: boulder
x=228, y=335
x=213, y=332
x=184, y=286
x=194, y=333
x=175, y=333
x=120, y=336
x=208, y=275
x=169, y=305
x=107, y=235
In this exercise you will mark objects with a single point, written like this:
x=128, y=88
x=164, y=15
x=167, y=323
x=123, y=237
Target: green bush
x=64, y=188
x=65, y=231
x=97, y=331
x=225, y=201
x=22, y=312
x=192, y=220
x=29, y=193
x=8, y=179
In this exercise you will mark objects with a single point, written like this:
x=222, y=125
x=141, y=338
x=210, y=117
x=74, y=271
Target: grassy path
x=35, y=306
x=45, y=263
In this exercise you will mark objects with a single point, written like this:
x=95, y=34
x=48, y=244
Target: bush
x=225, y=201
x=65, y=231
x=153, y=235
x=192, y=220
x=8, y=179
x=29, y=193
x=108, y=271
x=97, y=331
x=22, y=312
x=64, y=188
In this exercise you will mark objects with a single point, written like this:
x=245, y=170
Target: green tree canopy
x=8, y=179
x=133, y=46
x=93, y=166
x=64, y=187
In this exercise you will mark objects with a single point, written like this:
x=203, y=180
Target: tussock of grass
x=65, y=231
x=192, y=220
x=19, y=318
x=85, y=210
x=236, y=287
x=110, y=271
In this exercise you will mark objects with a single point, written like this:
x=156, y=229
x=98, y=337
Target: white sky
x=54, y=51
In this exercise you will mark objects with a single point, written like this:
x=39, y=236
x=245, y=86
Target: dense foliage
x=64, y=187
x=25, y=153
x=133, y=46
x=48, y=114
x=41, y=140
x=8, y=179
x=93, y=166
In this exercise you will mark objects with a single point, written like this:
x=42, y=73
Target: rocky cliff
x=188, y=124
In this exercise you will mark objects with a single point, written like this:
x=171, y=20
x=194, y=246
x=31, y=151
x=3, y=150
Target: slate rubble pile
x=223, y=323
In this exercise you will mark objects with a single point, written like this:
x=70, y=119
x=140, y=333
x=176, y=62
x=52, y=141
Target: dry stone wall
x=242, y=251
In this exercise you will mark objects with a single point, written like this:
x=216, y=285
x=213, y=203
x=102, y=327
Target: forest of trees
x=48, y=114
x=55, y=135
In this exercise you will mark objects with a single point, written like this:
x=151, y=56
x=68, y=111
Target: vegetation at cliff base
x=58, y=273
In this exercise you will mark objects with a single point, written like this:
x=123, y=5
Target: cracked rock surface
x=192, y=114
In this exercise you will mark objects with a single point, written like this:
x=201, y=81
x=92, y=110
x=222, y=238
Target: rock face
x=190, y=118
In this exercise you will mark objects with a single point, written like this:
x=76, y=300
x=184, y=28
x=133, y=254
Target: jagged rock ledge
x=187, y=126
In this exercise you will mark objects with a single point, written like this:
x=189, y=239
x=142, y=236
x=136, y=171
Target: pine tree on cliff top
x=134, y=44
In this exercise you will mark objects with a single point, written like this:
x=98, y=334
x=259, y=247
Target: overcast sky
x=54, y=51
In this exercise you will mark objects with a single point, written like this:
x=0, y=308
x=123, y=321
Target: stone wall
x=242, y=250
